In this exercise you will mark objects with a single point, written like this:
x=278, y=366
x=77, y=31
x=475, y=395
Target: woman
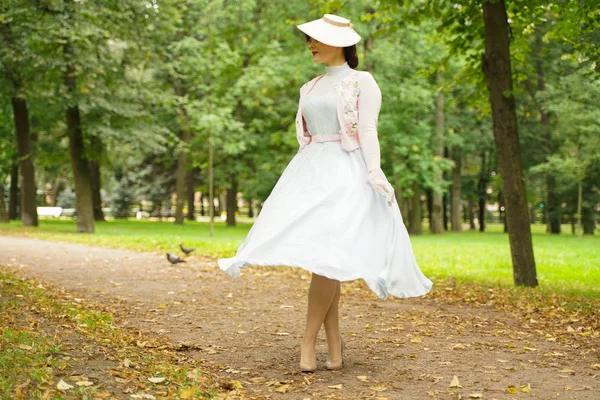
x=333, y=211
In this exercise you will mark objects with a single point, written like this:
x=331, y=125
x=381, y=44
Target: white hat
x=332, y=30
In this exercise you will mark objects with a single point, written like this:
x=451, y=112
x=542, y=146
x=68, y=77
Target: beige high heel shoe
x=308, y=367
x=333, y=365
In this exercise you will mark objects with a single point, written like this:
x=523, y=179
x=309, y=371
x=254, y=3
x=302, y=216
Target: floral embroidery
x=349, y=92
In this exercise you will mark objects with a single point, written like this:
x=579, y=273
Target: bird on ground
x=173, y=259
x=186, y=250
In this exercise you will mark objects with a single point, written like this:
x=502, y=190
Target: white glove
x=381, y=185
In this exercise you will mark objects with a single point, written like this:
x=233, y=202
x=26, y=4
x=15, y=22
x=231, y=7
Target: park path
x=251, y=327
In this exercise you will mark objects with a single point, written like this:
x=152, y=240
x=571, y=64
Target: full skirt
x=323, y=216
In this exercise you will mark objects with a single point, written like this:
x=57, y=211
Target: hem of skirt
x=233, y=268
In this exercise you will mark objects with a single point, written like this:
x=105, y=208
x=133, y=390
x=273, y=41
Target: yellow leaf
x=595, y=366
x=416, y=339
x=62, y=385
x=237, y=384
x=283, y=388
x=476, y=396
x=378, y=388
x=567, y=371
x=187, y=393
x=368, y=326
x=362, y=378
x=529, y=348
x=455, y=383
x=162, y=307
x=511, y=389
x=526, y=388
x=338, y=387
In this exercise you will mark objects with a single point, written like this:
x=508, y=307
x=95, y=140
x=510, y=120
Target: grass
x=47, y=336
x=565, y=263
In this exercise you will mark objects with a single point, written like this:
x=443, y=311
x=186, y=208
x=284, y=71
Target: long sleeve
x=369, y=104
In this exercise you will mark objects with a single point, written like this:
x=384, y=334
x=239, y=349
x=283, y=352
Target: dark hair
x=351, y=56
x=350, y=53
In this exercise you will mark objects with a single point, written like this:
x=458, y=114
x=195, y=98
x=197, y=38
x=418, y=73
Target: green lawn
x=565, y=263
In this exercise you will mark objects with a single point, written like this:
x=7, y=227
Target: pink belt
x=325, y=138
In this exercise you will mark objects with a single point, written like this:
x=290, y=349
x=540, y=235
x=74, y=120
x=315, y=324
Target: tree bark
x=13, y=192
x=579, y=204
x=3, y=212
x=415, y=226
x=498, y=72
x=552, y=207
x=29, y=215
x=437, y=222
x=472, y=215
x=482, y=192
x=191, y=195
x=180, y=176
x=231, y=201
x=455, y=214
x=79, y=161
x=95, y=181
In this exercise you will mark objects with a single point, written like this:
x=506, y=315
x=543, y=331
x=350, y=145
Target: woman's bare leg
x=320, y=295
x=332, y=328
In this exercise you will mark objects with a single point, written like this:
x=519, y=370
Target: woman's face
x=323, y=53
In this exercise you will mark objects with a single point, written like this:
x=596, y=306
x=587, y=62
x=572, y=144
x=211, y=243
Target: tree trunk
x=191, y=195
x=498, y=72
x=231, y=201
x=455, y=213
x=211, y=190
x=180, y=176
x=579, y=203
x=552, y=207
x=437, y=222
x=79, y=161
x=415, y=226
x=94, y=165
x=3, y=213
x=472, y=215
x=429, y=205
x=29, y=215
x=250, y=208
x=589, y=221
x=13, y=192
x=482, y=192
x=202, y=197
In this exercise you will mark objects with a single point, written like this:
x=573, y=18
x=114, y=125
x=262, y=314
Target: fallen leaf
x=62, y=385
x=378, y=388
x=529, y=348
x=416, y=339
x=595, y=366
x=568, y=371
x=126, y=362
x=368, y=326
x=187, y=393
x=475, y=396
x=158, y=379
x=283, y=388
x=362, y=378
x=162, y=306
x=526, y=388
x=511, y=389
x=455, y=383
x=24, y=346
x=338, y=387
x=459, y=346
x=84, y=383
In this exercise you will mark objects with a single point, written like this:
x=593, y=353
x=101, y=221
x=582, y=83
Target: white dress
x=324, y=216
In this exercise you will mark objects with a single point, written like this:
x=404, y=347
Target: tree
x=14, y=54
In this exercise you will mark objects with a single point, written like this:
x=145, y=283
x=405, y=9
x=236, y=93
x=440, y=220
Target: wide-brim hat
x=332, y=30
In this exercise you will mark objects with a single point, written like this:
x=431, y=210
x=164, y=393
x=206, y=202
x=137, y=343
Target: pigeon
x=173, y=259
x=186, y=250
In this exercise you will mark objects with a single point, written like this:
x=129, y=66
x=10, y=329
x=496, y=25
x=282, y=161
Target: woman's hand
x=381, y=185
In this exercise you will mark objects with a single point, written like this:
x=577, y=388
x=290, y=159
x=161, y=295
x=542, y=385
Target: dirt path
x=251, y=326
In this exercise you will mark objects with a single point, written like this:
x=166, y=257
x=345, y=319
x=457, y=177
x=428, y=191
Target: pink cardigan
x=356, y=85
